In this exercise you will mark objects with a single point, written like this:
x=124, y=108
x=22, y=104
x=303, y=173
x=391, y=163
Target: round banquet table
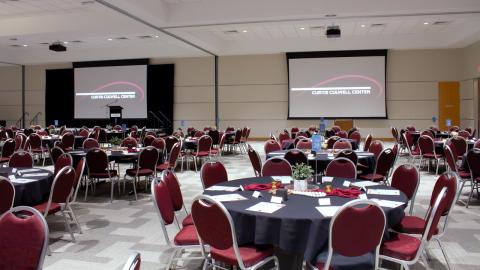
x=50, y=140
x=322, y=159
x=29, y=190
x=290, y=144
x=78, y=154
x=439, y=143
x=297, y=229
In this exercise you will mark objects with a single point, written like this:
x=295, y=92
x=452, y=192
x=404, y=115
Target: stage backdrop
x=59, y=97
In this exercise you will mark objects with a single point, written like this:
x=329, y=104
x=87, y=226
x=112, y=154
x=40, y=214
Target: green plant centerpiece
x=301, y=174
x=115, y=142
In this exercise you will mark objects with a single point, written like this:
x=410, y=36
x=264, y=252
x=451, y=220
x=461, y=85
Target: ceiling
x=120, y=29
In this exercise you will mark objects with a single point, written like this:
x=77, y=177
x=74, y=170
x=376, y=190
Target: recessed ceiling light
x=157, y=36
x=25, y=45
x=109, y=39
x=65, y=42
x=425, y=23
x=302, y=28
x=244, y=31
x=363, y=25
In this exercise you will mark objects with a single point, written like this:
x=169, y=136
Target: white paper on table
x=266, y=207
x=363, y=184
x=22, y=180
x=392, y=192
x=324, y=201
x=326, y=179
x=34, y=174
x=346, y=183
x=28, y=170
x=363, y=196
x=387, y=203
x=310, y=193
x=12, y=178
x=222, y=188
x=328, y=211
x=228, y=197
x=283, y=179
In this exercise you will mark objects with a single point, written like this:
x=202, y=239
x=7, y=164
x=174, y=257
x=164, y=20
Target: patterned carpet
x=112, y=231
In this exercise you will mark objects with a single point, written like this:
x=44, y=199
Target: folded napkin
x=352, y=193
x=256, y=186
x=132, y=150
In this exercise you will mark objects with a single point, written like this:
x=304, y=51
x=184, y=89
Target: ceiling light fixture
x=363, y=25
x=157, y=36
x=302, y=28
x=425, y=23
x=109, y=39
x=244, y=31
x=25, y=45
x=65, y=42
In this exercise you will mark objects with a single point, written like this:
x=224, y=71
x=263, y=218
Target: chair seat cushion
x=103, y=174
x=54, y=208
x=372, y=177
x=464, y=174
x=39, y=150
x=201, y=153
x=186, y=236
x=162, y=166
x=188, y=220
x=412, y=225
x=250, y=254
x=4, y=159
x=400, y=246
x=415, y=152
x=141, y=172
x=432, y=155
x=214, y=151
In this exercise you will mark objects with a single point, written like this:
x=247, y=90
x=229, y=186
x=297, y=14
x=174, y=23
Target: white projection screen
x=98, y=87
x=344, y=84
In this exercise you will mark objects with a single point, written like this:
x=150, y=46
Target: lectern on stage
x=116, y=114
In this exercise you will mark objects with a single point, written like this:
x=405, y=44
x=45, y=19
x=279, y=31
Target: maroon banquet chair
x=376, y=147
x=159, y=143
x=350, y=154
x=133, y=263
x=84, y=133
x=204, y=144
x=18, y=142
x=355, y=136
x=99, y=168
x=463, y=175
x=304, y=144
x=295, y=157
x=342, y=134
x=460, y=145
x=59, y=199
x=354, y=241
x=213, y=173
x=90, y=143
x=464, y=134
x=198, y=134
x=68, y=141
x=270, y=146
x=215, y=135
x=341, y=145
x=428, y=133
x=331, y=141
x=276, y=166
x=171, y=162
x=217, y=151
x=7, y=150
x=427, y=151
x=145, y=167
x=169, y=142
x=42, y=133
x=169, y=177
x=335, y=129
x=35, y=146
x=186, y=236
x=21, y=159
x=368, y=141
x=7, y=195
x=283, y=137
x=406, y=178
x=55, y=152
x=78, y=177
x=383, y=165
x=341, y=167
x=255, y=160
x=129, y=142
x=473, y=159
x=147, y=141
x=64, y=160
x=24, y=239
x=216, y=229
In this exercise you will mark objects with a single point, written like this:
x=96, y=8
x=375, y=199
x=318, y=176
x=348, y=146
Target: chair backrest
x=426, y=145
x=24, y=239
x=385, y=162
x=221, y=144
x=355, y=135
x=8, y=148
x=276, y=166
x=283, y=137
x=102, y=135
x=133, y=262
x=159, y=143
x=473, y=159
x=64, y=160
x=55, y=152
x=147, y=159
x=97, y=160
x=294, y=130
x=376, y=147
x=238, y=136
x=350, y=154
x=353, y=241
x=7, y=195
x=296, y=156
x=215, y=135
x=335, y=128
x=304, y=143
x=406, y=179
x=62, y=187
x=331, y=141
x=464, y=134
x=18, y=142
x=449, y=181
x=169, y=142
x=163, y=205
x=451, y=158
x=83, y=132
x=342, y=134
x=78, y=175
x=21, y=159
x=174, y=154
x=368, y=141
x=460, y=145
x=342, y=144
x=171, y=180
x=341, y=167
x=198, y=134
x=271, y=145
x=34, y=141
x=68, y=140
x=213, y=173
x=428, y=133
x=89, y=143
x=255, y=160
x=148, y=139
x=129, y=142
x=204, y=144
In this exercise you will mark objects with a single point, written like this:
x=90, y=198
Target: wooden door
x=448, y=104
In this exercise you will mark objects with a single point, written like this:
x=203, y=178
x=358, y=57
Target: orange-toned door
x=344, y=124
x=448, y=104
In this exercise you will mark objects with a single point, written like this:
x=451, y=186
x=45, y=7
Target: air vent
x=76, y=41
x=44, y=43
x=331, y=15
x=231, y=32
x=318, y=27
x=16, y=45
x=145, y=37
x=13, y=39
x=377, y=25
x=441, y=22
x=121, y=38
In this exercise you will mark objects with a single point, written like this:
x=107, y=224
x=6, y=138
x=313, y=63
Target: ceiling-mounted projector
x=57, y=47
x=333, y=31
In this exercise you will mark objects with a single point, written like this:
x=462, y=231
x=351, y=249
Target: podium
x=115, y=114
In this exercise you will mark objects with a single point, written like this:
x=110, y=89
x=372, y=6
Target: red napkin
x=256, y=186
x=132, y=150
x=352, y=193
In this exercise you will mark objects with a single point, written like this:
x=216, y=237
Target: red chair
x=83, y=132
x=21, y=159
x=276, y=166
x=55, y=152
x=350, y=154
x=204, y=144
x=407, y=250
x=186, y=237
x=451, y=159
x=407, y=179
x=7, y=195
x=383, y=164
x=215, y=228
x=460, y=146
x=129, y=142
x=146, y=167
x=7, y=150
x=335, y=129
x=428, y=133
x=283, y=137
x=18, y=142
x=342, y=144
x=133, y=262
x=24, y=239
x=236, y=144
x=427, y=151
x=217, y=152
x=59, y=199
x=294, y=131
x=198, y=134
x=341, y=167
x=78, y=177
x=169, y=142
x=215, y=135
x=464, y=134
x=368, y=141
x=147, y=141
x=331, y=141
x=68, y=141
x=35, y=147
x=98, y=168
x=477, y=144
x=64, y=160
x=303, y=144
x=355, y=135
x=410, y=128
x=473, y=159
x=271, y=145
x=244, y=138
x=213, y=173
x=376, y=147
x=171, y=180
x=171, y=163
x=295, y=156
x=354, y=241
x=413, y=154
x=159, y=143
x=255, y=160
x=90, y=143
x=342, y=134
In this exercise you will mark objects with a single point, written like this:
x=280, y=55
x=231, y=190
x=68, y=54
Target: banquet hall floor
x=112, y=231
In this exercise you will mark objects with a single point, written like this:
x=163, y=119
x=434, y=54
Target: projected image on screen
x=96, y=88
x=337, y=87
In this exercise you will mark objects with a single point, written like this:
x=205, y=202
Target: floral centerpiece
x=301, y=174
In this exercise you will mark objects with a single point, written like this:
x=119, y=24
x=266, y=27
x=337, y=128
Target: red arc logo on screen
x=136, y=87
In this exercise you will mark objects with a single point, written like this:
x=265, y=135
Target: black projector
x=333, y=32
x=57, y=47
